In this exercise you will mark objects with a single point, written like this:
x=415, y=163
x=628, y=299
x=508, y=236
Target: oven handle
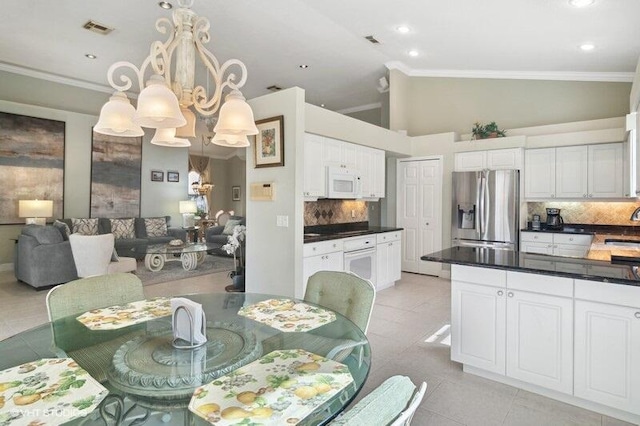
x=368, y=250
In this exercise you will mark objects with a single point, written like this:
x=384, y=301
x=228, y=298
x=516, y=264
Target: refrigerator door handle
x=482, y=205
x=486, y=208
x=478, y=212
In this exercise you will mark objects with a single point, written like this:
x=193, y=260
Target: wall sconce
x=188, y=210
x=35, y=211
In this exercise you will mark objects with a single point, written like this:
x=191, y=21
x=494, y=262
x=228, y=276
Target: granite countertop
x=316, y=233
x=589, y=269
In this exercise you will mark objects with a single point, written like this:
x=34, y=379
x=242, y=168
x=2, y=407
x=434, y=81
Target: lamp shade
x=158, y=106
x=189, y=129
x=231, y=141
x=167, y=137
x=35, y=208
x=116, y=118
x=236, y=116
x=188, y=207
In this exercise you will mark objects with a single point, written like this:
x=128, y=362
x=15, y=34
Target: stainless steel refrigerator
x=486, y=209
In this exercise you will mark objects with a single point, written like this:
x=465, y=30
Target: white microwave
x=343, y=183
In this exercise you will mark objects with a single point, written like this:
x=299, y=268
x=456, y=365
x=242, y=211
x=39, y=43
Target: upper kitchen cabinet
x=586, y=171
x=494, y=159
x=314, y=185
x=371, y=166
x=337, y=153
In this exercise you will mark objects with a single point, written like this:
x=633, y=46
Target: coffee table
x=190, y=254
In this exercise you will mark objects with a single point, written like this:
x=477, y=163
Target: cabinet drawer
x=537, y=283
x=387, y=237
x=536, y=237
x=583, y=240
x=485, y=276
x=615, y=294
x=322, y=247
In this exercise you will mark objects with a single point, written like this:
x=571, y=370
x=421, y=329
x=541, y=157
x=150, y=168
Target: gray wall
x=225, y=174
x=79, y=108
x=372, y=116
x=427, y=105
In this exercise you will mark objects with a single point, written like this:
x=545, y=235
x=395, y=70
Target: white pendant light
x=167, y=137
x=189, y=129
x=236, y=117
x=158, y=106
x=231, y=141
x=116, y=118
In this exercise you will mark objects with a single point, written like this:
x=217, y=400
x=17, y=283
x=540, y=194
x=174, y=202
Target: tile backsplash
x=325, y=212
x=603, y=213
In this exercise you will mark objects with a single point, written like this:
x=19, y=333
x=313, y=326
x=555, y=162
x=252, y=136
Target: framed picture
x=269, y=146
x=157, y=176
x=235, y=193
x=173, y=177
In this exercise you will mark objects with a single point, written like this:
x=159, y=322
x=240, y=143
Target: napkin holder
x=189, y=324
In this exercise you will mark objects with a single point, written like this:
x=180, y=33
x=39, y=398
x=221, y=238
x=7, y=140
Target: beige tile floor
x=403, y=318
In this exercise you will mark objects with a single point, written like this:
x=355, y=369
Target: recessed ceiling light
x=165, y=5
x=403, y=29
x=90, y=56
x=587, y=47
x=303, y=66
x=413, y=53
x=581, y=3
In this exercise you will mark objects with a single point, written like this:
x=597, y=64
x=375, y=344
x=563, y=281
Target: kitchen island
x=566, y=328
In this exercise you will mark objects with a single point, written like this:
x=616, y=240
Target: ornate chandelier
x=165, y=103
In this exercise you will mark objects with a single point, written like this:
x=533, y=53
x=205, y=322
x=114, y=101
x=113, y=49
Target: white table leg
x=189, y=261
x=154, y=262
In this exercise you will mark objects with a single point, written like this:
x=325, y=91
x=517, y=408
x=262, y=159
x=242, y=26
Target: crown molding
x=360, y=108
x=54, y=78
x=615, y=77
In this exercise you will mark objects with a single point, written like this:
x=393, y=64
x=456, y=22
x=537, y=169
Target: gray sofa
x=214, y=235
x=124, y=245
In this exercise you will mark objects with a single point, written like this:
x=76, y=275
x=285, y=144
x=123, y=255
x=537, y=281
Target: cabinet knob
x=637, y=315
x=590, y=195
x=535, y=238
x=584, y=195
x=553, y=195
x=500, y=292
x=315, y=248
x=510, y=294
x=427, y=223
x=571, y=239
x=390, y=244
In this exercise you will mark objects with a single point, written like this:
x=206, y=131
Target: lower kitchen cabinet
x=556, y=244
x=321, y=256
x=388, y=259
x=607, y=362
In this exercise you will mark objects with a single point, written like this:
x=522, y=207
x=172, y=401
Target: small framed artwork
x=269, y=146
x=157, y=176
x=173, y=177
x=235, y=193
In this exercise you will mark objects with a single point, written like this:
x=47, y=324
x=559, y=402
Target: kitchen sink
x=622, y=243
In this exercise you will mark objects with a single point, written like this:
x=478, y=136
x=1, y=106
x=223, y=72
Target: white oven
x=360, y=257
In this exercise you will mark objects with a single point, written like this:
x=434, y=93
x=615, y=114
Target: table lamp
x=35, y=211
x=188, y=208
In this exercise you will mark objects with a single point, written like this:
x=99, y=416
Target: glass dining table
x=266, y=360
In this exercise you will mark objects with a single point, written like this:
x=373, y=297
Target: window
x=193, y=177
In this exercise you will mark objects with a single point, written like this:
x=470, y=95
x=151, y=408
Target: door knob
x=500, y=292
x=637, y=315
x=427, y=223
x=510, y=294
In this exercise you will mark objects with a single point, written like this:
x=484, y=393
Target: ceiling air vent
x=372, y=39
x=274, y=88
x=97, y=27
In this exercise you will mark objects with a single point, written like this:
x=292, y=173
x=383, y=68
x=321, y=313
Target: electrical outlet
x=353, y=213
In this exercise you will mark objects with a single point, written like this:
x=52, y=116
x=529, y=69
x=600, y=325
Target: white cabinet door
x=537, y=248
x=349, y=155
x=607, y=350
x=540, y=339
x=332, y=152
x=571, y=172
x=323, y=262
x=540, y=173
x=378, y=171
x=569, y=250
x=363, y=165
x=388, y=261
x=605, y=171
x=478, y=326
x=470, y=161
x=314, y=184
x=395, y=261
x=500, y=159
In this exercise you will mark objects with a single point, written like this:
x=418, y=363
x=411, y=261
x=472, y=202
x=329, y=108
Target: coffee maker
x=554, y=220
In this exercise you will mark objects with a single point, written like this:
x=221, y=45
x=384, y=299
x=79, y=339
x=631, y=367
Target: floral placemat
x=49, y=391
x=288, y=315
x=282, y=387
x=121, y=316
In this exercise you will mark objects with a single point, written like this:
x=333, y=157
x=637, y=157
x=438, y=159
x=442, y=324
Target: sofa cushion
x=43, y=234
x=63, y=228
x=228, y=227
x=155, y=226
x=122, y=228
x=85, y=226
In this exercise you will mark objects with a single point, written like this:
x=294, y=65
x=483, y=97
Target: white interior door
x=419, y=212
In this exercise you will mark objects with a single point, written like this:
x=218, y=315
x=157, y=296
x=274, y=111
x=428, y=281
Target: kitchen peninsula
x=565, y=328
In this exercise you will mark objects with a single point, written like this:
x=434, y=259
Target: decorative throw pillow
x=122, y=228
x=114, y=256
x=156, y=227
x=85, y=226
x=63, y=228
x=228, y=227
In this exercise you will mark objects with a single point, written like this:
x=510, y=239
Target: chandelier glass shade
x=171, y=92
x=167, y=137
x=231, y=141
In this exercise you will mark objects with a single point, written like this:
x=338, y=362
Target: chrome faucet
x=635, y=216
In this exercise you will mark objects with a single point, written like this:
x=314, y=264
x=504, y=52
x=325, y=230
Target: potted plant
x=486, y=131
x=235, y=246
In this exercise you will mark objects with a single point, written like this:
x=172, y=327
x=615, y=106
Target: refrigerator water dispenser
x=466, y=216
